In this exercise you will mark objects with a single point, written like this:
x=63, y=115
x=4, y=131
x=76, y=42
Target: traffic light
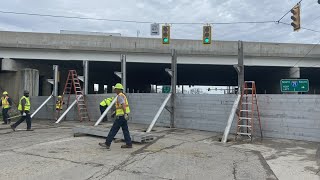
x=295, y=17
x=206, y=35
x=166, y=34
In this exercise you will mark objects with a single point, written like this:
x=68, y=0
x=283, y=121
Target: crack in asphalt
x=146, y=174
x=142, y=150
x=95, y=173
x=61, y=159
x=117, y=167
x=133, y=157
x=234, y=172
x=22, y=147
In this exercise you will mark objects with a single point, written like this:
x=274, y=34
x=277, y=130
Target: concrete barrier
x=283, y=116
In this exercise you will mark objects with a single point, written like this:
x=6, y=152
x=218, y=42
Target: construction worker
x=122, y=116
x=24, y=108
x=59, y=106
x=6, y=104
x=104, y=104
x=59, y=103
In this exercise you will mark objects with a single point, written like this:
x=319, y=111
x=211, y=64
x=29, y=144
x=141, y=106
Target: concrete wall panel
x=282, y=116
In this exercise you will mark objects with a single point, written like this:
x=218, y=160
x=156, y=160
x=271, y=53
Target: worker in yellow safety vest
x=104, y=104
x=24, y=108
x=6, y=104
x=122, y=114
x=59, y=104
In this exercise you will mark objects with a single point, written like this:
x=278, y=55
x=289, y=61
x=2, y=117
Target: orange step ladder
x=248, y=111
x=74, y=83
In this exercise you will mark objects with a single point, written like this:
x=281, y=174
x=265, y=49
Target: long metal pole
x=55, y=79
x=124, y=71
x=86, y=76
x=105, y=112
x=230, y=120
x=173, y=86
x=159, y=112
x=69, y=108
x=45, y=102
x=240, y=66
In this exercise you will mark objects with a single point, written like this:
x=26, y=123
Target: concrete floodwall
x=203, y=112
x=282, y=116
x=291, y=116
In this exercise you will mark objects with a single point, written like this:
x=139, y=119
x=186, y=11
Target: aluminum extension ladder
x=248, y=111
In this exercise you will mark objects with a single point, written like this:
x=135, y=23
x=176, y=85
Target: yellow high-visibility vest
x=106, y=102
x=59, y=104
x=5, y=103
x=27, y=106
x=119, y=110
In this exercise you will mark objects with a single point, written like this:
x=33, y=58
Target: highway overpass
x=147, y=58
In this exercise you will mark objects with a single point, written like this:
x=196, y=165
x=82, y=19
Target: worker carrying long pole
x=122, y=116
x=6, y=104
x=104, y=104
x=24, y=108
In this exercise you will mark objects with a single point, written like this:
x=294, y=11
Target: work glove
x=24, y=114
x=126, y=117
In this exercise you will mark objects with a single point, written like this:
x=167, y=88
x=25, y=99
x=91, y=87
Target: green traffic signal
x=165, y=40
x=206, y=35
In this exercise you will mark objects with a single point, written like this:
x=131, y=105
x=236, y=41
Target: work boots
x=108, y=147
x=104, y=145
x=13, y=128
x=126, y=146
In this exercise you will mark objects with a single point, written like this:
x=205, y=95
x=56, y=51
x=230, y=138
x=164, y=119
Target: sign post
x=294, y=85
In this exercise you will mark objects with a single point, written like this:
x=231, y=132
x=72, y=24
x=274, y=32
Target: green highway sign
x=166, y=89
x=294, y=85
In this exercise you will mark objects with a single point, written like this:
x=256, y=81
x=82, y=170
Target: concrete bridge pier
x=294, y=73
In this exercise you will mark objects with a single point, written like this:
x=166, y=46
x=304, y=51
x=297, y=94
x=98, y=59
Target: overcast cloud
x=167, y=11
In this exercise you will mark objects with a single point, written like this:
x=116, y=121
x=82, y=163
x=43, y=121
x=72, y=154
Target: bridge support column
x=294, y=73
x=173, y=86
x=240, y=67
x=86, y=77
x=30, y=81
x=124, y=71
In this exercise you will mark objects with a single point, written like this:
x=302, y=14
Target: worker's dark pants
x=119, y=122
x=102, y=109
x=27, y=118
x=5, y=115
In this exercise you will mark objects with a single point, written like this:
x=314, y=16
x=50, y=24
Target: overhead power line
x=313, y=30
x=287, y=13
x=132, y=21
x=314, y=46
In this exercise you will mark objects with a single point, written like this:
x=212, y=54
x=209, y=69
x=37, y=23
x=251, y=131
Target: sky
x=167, y=11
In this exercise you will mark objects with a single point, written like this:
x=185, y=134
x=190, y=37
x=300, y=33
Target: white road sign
x=155, y=29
